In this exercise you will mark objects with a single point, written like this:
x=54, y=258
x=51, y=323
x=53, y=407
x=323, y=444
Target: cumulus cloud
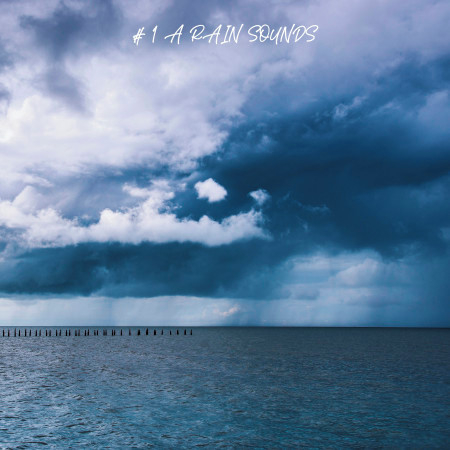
x=260, y=196
x=210, y=190
x=152, y=220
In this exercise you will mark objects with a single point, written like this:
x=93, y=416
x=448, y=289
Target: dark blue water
x=261, y=387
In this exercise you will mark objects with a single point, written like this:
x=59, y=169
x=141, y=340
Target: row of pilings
x=28, y=332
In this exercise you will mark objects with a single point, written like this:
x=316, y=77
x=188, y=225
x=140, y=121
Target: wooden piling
x=146, y=332
x=178, y=332
x=162, y=331
x=191, y=332
x=40, y=333
x=154, y=332
x=170, y=332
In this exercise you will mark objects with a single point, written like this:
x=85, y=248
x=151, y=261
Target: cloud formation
x=332, y=157
x=210, y=190
x=152, y=220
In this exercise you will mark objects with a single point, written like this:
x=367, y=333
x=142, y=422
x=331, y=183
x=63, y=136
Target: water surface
x=262, y=387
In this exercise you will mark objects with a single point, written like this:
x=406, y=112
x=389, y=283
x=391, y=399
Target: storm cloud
x=307, y=182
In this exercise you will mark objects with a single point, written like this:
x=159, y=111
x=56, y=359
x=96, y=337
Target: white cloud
x=229, y=312
x=260, y=196
x=210, y=190
x=152, y=220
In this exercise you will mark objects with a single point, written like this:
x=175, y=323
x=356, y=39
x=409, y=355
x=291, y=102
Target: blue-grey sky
x=251, y=183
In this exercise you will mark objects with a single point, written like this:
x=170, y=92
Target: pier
x=88, y=332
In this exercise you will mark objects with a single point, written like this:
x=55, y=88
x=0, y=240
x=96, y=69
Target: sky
x=249, y=183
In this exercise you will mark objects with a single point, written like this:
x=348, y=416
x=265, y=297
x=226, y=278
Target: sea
x=226, y=387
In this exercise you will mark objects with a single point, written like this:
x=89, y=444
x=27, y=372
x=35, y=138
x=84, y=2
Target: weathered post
x=162, y=331
x=170, y=332
x=191, y=331
x=154, y=332
x=178, y=332
x=185, y=332
x=40, y=333
x=146, y=332
x=129, y=331
x=121, y=331
x=139, y=332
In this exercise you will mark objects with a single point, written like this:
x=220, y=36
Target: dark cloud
x=362, y=167
x=6, y=58
x=145, y=270
x=59, y=84
x=6, y=61
x=361, y=182
x=68, y=31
